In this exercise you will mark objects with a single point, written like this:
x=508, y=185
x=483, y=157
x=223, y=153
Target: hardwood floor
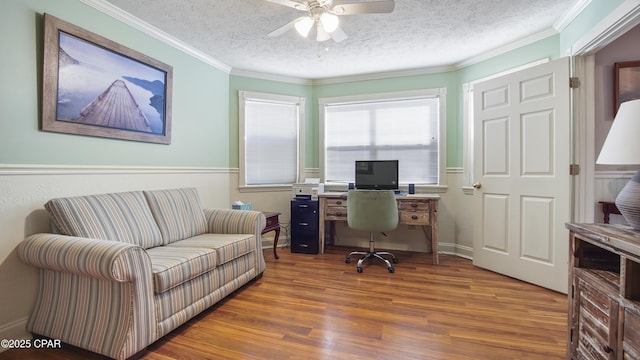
x=318, y=307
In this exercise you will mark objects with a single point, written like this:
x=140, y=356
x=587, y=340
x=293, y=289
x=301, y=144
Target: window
x=407, y=126
x=271, y=147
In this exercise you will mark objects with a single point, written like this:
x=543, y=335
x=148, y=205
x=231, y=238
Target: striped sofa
x=124, y=269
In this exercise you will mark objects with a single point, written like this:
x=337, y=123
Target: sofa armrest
x=228, y=221
x=99, y=259
x=93, y=294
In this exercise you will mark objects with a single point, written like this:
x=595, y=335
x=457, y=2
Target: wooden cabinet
x=604, y=293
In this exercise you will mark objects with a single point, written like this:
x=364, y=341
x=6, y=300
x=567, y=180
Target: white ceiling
x=419, y=34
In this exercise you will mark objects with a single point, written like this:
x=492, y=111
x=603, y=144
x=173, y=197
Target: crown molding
x=619, y=21
x=383, y=75
x=508, y=47
x=271, y=77
x=571, y=15
x=137, y=23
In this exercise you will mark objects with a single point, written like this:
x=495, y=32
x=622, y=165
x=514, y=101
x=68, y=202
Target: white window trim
x=243, y=96
x=441, y=93
x=468, y=128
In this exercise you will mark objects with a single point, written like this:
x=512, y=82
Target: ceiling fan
x=324, y=15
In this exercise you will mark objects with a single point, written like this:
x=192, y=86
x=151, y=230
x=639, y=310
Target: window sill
x=264, y=188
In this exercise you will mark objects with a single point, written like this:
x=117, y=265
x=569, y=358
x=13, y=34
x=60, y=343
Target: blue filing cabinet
x=304, y=226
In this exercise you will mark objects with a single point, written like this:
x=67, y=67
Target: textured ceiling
x=418, y=34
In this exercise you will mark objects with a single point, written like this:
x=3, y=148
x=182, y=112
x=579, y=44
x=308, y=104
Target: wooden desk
x=415, y=209
x=273, y=224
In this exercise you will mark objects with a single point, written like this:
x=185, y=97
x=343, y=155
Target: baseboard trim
x=15, y=330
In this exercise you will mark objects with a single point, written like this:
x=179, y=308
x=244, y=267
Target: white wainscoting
x=25, y=188
x=607, y=185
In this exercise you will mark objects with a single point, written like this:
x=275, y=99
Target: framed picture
x=627, y=83
x=96, y=87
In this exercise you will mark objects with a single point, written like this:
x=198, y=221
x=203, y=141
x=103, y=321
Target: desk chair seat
x=372, y=211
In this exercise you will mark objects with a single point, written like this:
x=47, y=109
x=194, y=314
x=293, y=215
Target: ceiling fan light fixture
x=303, y=26
x=322, y=35
x=329, y=22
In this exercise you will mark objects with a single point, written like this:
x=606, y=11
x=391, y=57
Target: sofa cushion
x=172, y=266
x=123, y=217
x=178, y=213
x=227, y=246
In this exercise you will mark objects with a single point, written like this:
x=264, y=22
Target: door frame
x=582, y=62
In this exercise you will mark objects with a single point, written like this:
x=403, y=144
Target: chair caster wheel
x=347, y=260
x=395, y=260
x=359, y=269
x=391, y=269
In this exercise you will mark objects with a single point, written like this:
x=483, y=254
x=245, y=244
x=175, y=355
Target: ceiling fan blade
x=283, y=29
x=371, y=7
x=338, y=35
x=291, y=4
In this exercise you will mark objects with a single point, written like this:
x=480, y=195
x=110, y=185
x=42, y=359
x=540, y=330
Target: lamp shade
x=622, y=145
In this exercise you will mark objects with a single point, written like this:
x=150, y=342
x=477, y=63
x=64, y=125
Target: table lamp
x=622, y=147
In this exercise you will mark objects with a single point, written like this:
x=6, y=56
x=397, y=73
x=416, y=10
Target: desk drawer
x=336, y=202
x=336, y=213
x=414, y=218
x=416, y=205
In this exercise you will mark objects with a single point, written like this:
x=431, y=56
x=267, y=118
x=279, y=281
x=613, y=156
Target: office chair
x=372, y=211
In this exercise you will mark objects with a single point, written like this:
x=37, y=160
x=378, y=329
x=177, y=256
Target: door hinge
x=574, y=169
x=574, y=82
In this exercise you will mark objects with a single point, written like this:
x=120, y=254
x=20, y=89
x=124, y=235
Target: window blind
x=271, y=142
x=402, y=129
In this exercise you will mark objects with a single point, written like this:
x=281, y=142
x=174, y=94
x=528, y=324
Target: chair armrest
x=228, y=221
x=101, y=259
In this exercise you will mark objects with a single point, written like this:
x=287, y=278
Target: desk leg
x=434, y=236
x=321, y=225
x=275, y=243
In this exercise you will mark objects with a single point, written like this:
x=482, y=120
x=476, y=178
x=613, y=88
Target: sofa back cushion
x=123, y=217
x=178, y=213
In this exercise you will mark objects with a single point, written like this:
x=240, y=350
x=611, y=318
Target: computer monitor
x=377, y=174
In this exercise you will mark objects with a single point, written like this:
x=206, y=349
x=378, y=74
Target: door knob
x=477, y=185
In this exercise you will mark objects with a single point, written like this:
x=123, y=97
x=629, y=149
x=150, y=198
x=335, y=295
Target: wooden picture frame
x=94, y=86
x=627, y=83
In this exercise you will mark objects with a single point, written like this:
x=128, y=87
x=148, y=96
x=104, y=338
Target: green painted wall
x=205, y=101
x=452, y=81
x=200, y=97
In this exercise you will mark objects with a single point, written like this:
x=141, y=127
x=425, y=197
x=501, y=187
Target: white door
x=523, y=187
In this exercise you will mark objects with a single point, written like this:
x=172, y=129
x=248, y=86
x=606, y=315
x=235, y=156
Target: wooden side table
x=273, y=224
x=609, y=208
